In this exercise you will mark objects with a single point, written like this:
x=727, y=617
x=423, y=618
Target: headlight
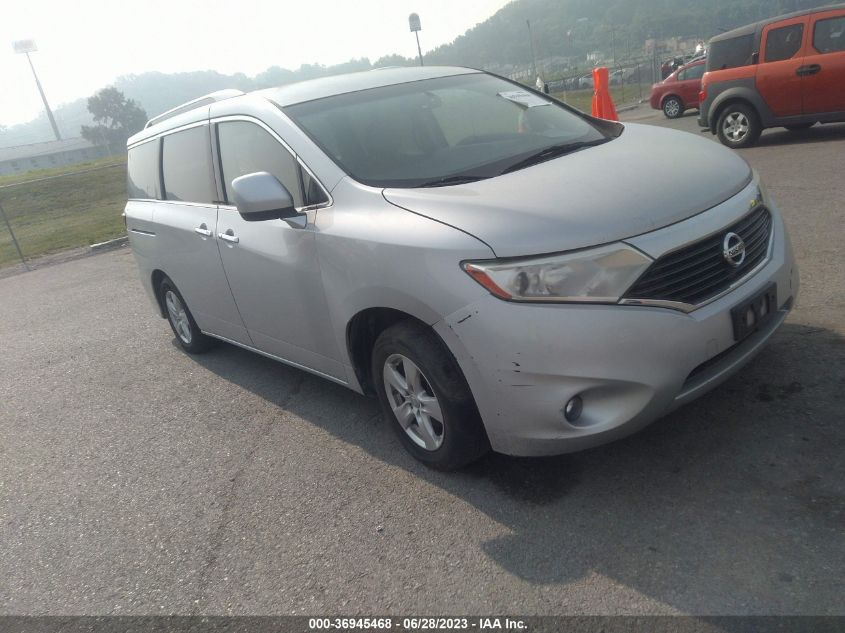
x=599, y=275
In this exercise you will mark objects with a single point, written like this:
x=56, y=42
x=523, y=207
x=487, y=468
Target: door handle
x=229, y=236
x=202, y=229
x=810, y=69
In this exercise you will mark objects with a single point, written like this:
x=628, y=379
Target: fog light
x=750, y=317
x=573, y=408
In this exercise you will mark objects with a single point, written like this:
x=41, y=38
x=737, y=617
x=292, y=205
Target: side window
x=186, y=166
x=142, y=171
x=246, y=148
x=314, y=193
x=731, y=53
x=784, y=42
x=829, y=35
x=693, y=72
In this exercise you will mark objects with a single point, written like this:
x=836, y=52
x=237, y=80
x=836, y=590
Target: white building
x=23, y=158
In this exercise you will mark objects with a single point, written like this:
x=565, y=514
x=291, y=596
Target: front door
x=272, y=267
x=778, y=81
x=823, y=84
x=184, y=223
x=690, y=84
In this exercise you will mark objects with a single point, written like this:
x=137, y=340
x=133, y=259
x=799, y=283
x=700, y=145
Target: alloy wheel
x=736, y=126
x=413, y=402
x=672, y=108
x=178, y=316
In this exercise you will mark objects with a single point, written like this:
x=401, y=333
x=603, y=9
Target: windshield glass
x=439, y=131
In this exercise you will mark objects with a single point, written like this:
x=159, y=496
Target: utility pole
x=26, y=47
x=414, y=23
x=14, y=239
x=533, y=56
x=613, y=43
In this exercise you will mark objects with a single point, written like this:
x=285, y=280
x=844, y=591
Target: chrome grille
x=699, y=271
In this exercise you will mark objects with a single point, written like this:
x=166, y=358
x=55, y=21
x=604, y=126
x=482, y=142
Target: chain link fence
x=51, y=212
x=631, y=79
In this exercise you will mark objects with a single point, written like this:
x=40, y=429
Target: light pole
x=533, y=56
x=414, y=23
x=26, y=47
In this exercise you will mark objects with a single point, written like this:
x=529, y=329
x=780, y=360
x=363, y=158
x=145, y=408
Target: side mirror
x=260, y=196
x=755, y=57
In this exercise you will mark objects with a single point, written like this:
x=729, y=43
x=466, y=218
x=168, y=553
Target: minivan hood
x=647, y=178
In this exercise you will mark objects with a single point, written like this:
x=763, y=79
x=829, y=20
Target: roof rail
x=220, y=95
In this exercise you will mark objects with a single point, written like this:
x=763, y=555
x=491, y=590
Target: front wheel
x=739, y=126
x=673, y=108
x=425, y=397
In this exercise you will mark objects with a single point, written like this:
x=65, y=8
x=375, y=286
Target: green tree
x=116, y=118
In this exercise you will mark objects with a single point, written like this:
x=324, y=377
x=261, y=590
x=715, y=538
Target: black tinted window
x=142, y=171
x=186, y=164
x=314, y=193
x=829, y=35
x=246, y=148
x=730, y=53
x=784, y=42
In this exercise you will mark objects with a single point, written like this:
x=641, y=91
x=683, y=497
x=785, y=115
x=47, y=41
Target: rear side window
x=142, y=171
x=186, y=165
x=731, y=53
x=829, y=35
x=246, y=148
x=784, y=42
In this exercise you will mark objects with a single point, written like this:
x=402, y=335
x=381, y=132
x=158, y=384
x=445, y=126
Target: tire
x=738, y=126
x=799, y=126
x=440, y=423
x=673, y=108
x=187, y=333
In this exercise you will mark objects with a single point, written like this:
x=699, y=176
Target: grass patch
x=34, y=174
x=622, y=95
x=77, y=206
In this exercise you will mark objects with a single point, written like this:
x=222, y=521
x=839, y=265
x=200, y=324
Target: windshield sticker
x=523, y=98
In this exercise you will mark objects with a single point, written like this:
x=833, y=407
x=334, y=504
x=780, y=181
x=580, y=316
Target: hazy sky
x=85, y=44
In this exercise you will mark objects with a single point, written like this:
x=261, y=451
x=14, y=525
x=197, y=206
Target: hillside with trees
x=574, y=27
x=562, y=28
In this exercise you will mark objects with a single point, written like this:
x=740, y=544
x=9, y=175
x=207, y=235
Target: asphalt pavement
x=135, y=479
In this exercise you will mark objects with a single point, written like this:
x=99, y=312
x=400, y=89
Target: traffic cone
x=603, y=107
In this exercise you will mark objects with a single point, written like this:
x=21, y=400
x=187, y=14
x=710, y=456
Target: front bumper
x=629, y=364
x=654, y=101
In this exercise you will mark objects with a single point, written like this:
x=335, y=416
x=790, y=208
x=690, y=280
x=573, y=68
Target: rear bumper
x=629, y=364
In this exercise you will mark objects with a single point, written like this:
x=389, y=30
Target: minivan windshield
x=443, y=131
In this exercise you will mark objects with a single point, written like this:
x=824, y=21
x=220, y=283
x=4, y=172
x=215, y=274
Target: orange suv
x=787, y=71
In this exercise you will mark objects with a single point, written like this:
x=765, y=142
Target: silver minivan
x=500, y=270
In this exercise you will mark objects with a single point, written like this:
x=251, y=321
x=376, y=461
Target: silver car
x=500, y=270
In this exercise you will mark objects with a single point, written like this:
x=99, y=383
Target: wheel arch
x=363, y=329
x=739, y=94
x=156, y=278
x=667, y=96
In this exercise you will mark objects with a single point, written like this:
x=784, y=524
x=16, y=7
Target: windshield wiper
x=551, y=152
x=451, y=180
